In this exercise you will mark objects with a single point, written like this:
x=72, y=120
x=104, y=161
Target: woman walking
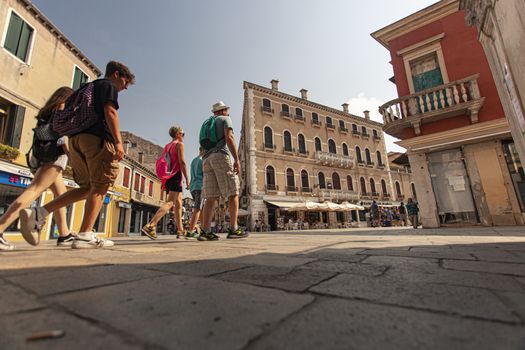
x=172, y=184
x=46, y=175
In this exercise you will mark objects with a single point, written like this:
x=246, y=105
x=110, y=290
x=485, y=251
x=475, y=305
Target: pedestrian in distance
x=172, y=183
x=47, y=160
x=95, y=151
x=374, y=214
x=220, y=174
x=413, y=210
x=196, y=193
x=402, y=214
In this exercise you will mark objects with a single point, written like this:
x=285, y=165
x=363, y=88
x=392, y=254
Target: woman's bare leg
x=60, y=215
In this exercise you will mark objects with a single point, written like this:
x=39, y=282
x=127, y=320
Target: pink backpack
x=163, y=164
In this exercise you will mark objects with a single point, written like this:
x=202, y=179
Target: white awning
x=283, y=204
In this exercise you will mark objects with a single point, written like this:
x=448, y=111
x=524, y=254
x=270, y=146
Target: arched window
x=329, y=121
x=379, y=159
x=299, y=113
x=363, y=131
x=374, y=133
x=345, y=150
x=413, y=190
x=349, y=183
x=267, y=105
x=318, y=146
x=285, y=110
x=336, y=181
x=322, y=182
x=383, y=187
x=270, y=177
x=290, y=179
x=331, y=146
x=363, y=185
x=287, y=141
x=315, y=117
x=398, y=189
x=342, y=125
x=373, y=186
x=368, y=157
x=305, y=183
x=358, y=156
x=268, y=137
x=354, y=129
x=302, y=143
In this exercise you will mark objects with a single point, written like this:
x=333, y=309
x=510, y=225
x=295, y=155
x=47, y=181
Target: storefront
x=141, y=214
x=13, y=182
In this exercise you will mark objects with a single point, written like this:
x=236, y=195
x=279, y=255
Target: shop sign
x=14, y=180
x=124, y=205
x=107, y=199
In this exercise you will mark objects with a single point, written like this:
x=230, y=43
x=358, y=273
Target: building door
x=272, y=219
x=452, y=188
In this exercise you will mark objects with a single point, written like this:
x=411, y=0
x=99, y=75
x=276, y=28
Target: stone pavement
x=357, y=289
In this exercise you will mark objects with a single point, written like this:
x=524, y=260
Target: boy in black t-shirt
x=94, y=156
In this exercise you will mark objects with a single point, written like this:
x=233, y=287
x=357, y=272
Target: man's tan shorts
x=219, y=178
x=92, y=161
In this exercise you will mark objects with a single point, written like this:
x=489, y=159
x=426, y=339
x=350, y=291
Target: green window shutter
x=79, y=78
x=13, y=33
x=25, y=40
x=15, y=126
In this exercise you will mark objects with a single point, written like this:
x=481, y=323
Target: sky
x=187, y=55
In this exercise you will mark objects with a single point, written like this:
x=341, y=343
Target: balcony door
x=451, y=188
x=426, y=72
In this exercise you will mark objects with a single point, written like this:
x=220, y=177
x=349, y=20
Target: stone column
x=428, y=213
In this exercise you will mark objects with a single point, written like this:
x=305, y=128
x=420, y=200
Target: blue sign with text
x=14, y=180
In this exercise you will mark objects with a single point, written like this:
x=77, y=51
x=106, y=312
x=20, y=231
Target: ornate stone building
x=141, y=150
x=294, y=150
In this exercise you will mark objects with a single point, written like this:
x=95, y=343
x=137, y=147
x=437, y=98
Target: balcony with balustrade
x=332, y=159
x=460, y=97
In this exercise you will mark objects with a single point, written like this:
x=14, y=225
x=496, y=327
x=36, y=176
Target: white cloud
x=357, y=105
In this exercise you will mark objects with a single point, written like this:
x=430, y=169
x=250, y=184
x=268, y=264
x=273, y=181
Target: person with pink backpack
x=171, y=170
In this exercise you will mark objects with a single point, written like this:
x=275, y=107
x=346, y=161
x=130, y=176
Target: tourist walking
x=47, y=160
x=402, y=214
x=413, y=210
x=94, y=155
x=171, y=183
x=196, y=193
x=220, y=174
x=374, y=214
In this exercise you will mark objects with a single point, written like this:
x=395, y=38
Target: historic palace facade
x=294, y=150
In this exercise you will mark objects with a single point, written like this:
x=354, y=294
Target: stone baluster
x=449, y=96
x=391, y=112
x=442, y=98
x=412, y=105
x=456, y=94
x=398, y=115
x=404, y=108
x=463, y=92
x=429, y=105
x=434, y=95
x=474, y=89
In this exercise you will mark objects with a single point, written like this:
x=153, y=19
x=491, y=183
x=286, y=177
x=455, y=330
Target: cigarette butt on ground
x=46, y=335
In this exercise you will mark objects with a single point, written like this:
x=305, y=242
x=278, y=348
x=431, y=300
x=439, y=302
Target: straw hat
x=219, y=106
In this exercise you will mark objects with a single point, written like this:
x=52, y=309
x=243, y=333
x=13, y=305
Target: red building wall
x=464, y=56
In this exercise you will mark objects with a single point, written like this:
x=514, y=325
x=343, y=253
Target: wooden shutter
x=13, y=33
x=16, y=123
x=23, y=44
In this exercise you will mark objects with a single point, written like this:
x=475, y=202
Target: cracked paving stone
x=349, y=255
x=487, y=267
x=515, y=301
x=198, y=268
x=183, y=312
x=452, y=299
x=67, y=279
x=79, y=334
x=272, y=259
x=347, y=267
x=348, y=325
x=294, y=280
x=440, y=254
x=18, y=299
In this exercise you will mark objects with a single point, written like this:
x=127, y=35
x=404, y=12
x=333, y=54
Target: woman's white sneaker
x=31, y=222
x=5, y=244
x=90, y=241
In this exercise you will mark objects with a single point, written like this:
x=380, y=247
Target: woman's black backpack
x=44, y=147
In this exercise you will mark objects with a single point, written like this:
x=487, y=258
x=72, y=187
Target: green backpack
x=208, y=134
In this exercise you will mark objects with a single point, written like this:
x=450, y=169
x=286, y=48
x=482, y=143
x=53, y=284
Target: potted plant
x=8, y=153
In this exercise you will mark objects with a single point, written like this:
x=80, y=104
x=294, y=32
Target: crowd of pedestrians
x=83, y=127
x=394, y=215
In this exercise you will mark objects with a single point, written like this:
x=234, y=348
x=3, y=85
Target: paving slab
x=16, y=299
x=488, y=267
x=181, y=312
x=450, y=299
x=79, y=334
x=66, y=279
x=347, y=267
x=347, y=325
x=295, y=280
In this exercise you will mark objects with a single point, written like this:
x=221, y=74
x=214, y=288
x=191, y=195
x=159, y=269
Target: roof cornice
x=59, y=35
x=309, y=103
x=416, y=20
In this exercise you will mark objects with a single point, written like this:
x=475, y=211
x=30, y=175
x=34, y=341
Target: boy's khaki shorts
x=92, y=161
x=219, y=180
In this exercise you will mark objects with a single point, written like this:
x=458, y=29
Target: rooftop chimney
x=126, y=147
x=275, y=84
x=304, y=94
x=367, y=115
x=345, y=107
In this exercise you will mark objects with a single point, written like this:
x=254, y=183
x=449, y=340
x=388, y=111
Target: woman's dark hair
x=60, y=96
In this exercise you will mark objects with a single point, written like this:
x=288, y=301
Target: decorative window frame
x=421, y=49
x=31, y=44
